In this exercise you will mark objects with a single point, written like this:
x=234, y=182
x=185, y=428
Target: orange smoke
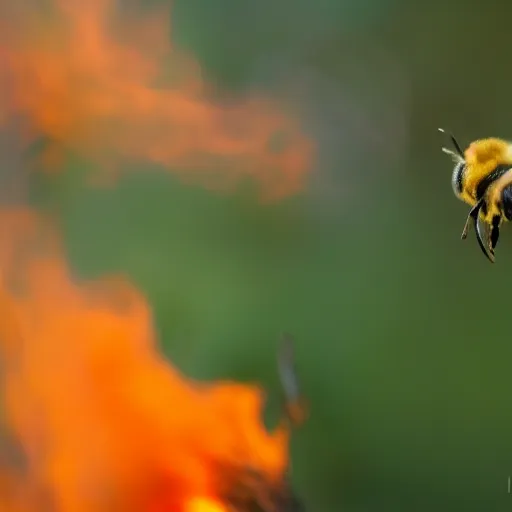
x=109, y=86
x=93, y=419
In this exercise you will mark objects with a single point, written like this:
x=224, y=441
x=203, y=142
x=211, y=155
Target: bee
x=482, y=178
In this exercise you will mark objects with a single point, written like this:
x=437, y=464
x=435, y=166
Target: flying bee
x=482, y=178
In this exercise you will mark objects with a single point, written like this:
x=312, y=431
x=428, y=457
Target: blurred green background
x=402, y=332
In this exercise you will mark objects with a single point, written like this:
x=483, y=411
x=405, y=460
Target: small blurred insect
x=482, y=178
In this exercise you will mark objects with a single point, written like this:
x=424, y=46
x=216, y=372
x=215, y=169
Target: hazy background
x=402, y=330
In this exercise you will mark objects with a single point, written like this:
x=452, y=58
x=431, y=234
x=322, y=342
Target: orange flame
x=103, y=422
x=109, y=86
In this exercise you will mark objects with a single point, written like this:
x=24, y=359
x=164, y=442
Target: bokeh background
x=402, y=330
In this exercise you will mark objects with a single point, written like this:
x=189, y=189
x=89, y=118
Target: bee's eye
x=457, y=177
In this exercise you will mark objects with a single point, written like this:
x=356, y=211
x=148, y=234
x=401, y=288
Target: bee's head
x=460, y=164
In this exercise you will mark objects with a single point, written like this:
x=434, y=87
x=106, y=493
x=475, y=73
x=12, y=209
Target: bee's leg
x=495, y=232
x=472, y=215
x=483, y=246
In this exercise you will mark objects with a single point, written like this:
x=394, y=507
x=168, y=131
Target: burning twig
x=294, y=403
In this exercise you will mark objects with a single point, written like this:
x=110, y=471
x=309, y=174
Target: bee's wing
x=482, y=233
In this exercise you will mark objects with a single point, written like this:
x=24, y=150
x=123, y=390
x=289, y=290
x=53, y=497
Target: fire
x=106, y=84
x=94, y=419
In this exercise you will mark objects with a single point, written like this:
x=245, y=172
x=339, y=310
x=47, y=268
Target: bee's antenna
x=295, y=408
x=458, y=150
